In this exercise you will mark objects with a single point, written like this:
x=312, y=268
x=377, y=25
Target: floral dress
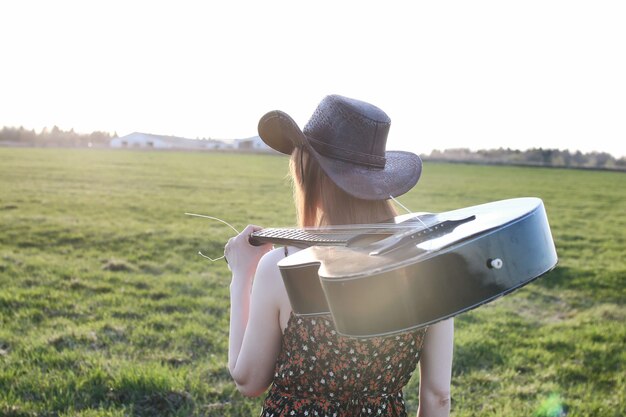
x=320, y=373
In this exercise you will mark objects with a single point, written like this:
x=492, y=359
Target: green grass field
x=107, y=310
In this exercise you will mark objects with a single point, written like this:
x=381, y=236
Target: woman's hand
x=242, y=257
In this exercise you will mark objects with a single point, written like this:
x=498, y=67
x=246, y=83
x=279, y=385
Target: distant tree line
x=534, y=156
x=53, y=137
x=56, y=137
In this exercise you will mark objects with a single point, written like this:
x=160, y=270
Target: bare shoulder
x=267, y=271
x=268, y=284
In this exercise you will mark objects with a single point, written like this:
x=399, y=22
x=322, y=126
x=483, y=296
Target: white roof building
x=150, y=141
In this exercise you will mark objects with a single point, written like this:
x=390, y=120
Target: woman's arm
x=436, y=370
x=255, y=333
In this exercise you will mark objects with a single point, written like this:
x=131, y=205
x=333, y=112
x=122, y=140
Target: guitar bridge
x=417, y=235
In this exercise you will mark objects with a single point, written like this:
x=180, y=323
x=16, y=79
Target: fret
x=296, y=237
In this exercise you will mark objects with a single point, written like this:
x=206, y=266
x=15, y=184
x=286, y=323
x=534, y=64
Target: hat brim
x=401, y=172
x=280, y=132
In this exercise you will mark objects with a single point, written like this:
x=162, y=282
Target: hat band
x=347, y=155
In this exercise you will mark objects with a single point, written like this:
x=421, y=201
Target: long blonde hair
x=319, y=202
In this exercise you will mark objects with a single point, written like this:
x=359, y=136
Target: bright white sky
x=476, y=74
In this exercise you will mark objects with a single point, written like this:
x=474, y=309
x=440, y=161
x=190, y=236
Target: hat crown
x=350, y=130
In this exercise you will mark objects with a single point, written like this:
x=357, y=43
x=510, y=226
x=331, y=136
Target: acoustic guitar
x=418, y=268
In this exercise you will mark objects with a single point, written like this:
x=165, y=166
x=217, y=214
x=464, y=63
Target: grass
x=107, y=310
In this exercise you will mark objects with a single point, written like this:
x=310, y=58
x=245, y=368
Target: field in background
x=107, y=310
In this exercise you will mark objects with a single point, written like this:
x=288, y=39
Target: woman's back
x=320, y=372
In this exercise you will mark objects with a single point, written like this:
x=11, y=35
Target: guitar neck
x=296, y=237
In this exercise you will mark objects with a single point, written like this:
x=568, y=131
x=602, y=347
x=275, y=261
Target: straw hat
x=348, y=138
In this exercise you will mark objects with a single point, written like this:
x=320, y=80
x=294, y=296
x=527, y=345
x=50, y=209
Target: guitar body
x=372, y=291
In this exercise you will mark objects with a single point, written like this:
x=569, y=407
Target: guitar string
x=416, y=217
x=219, y=220
x=400, y=204
x=330, y=229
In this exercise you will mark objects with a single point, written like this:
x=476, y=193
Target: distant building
x=139, y=140
x=148, y=141
x=254, y=143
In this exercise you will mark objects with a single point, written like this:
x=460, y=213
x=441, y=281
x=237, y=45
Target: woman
x=342, y=174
